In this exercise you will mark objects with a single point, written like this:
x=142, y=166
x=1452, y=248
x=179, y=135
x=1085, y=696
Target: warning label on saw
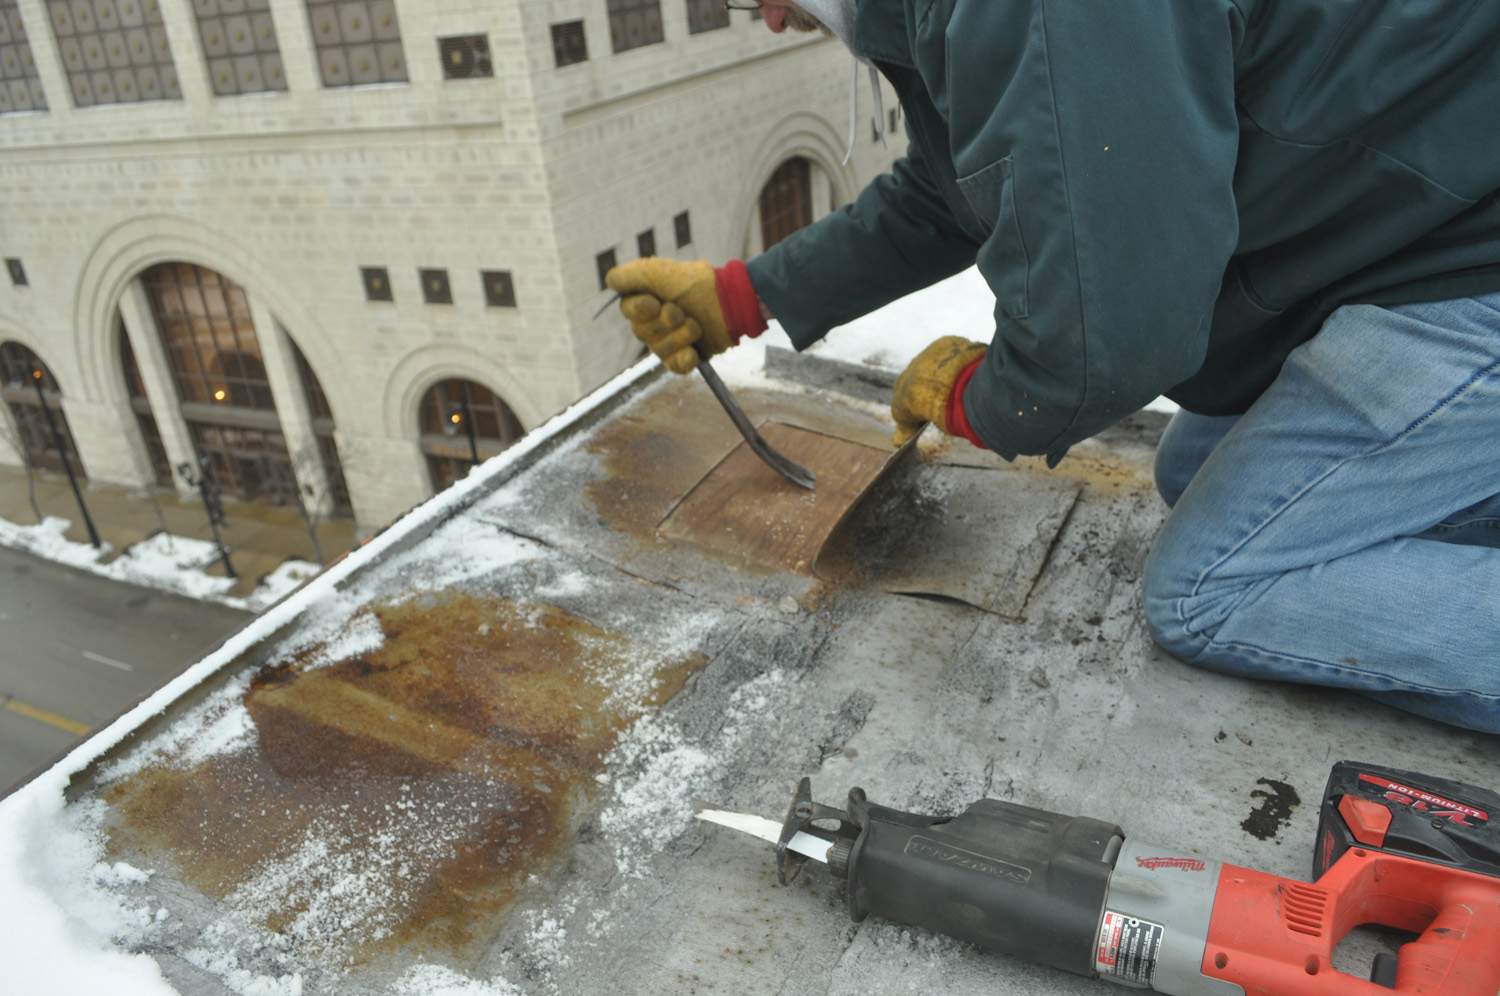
x=1127, y=948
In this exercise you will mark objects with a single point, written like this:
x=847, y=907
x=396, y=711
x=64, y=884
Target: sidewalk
x=260, y=537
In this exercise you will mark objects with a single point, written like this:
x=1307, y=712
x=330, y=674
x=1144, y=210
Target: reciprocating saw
x=1410, y=852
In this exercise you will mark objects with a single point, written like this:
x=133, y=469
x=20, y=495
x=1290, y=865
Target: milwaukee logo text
x=1185, y=864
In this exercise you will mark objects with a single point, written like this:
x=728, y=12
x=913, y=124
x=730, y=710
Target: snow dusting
x=665, y=772
x=435, y=980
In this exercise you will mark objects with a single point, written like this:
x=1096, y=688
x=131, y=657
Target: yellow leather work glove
x=672, y=306
x=924, y=388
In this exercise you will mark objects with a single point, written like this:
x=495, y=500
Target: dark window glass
x=786, y=201
x=212, y=349
x=205, y=325
x=141, y=405
x=605, y=262
x=448, y=409
x=435, y=287
x=20, y=371
x=114, y=51
x=156, y=450
x=251, y=464
x=706, y=15
x=377, y=281
x=466, y=57
x=239, y=44
x=499, y=289
x=20, y=86
x=17, y=272
x=357, y=41
x=682, y=225
x=633, y=23
x=646, y=242
x=569, y=44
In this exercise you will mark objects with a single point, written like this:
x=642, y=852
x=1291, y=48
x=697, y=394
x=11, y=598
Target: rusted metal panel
x=744, y=510
x=977, y=536
x=402, y=797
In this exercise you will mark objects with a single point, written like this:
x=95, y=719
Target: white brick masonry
x=535, y=171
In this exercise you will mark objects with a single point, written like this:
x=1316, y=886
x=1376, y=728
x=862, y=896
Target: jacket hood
x=838, y=16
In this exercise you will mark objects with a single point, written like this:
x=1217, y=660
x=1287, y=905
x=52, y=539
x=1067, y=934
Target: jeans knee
x=1172, y=478
x=1164, y=598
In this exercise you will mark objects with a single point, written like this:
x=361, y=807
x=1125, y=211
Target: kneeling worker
x=1282, y=214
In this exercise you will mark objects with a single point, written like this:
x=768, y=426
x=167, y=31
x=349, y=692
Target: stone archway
x=798, y=136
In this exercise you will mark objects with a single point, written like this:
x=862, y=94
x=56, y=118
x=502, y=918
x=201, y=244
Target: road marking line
x=43, y=716
x=110, y=661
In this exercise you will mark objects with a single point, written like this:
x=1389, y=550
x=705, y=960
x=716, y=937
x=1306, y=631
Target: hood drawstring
x=838, y=16
x=878, y=119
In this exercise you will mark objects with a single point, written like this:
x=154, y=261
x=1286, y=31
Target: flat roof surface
x=468, y=760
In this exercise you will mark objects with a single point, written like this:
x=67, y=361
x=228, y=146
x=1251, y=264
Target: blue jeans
x=1346, y=530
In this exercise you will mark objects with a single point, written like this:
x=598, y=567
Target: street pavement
x=76, y=650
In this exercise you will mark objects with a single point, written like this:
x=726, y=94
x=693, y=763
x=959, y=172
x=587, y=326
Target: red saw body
x=1410, y=852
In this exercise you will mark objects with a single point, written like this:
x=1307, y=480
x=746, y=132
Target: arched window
x=450, y=410
x=141, y=405
x=20, y=371
x=786, y=201
x=211, y=346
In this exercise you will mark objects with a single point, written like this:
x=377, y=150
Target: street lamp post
x=62, y=452
x=209, y=491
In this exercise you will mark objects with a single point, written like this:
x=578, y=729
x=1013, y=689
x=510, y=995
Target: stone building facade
x=314, y=243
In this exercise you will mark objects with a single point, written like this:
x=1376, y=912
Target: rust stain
x=657, y=450
x=437, y=772
x=746, y=511
x=1101, y=473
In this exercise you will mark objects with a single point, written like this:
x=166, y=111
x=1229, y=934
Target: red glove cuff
x=738, y=301
x=958, y=419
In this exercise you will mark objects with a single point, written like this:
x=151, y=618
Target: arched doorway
x=206, y=330
x=786, y=201
x=20, y=372
x=450, y=410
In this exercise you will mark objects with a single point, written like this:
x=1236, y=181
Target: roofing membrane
x=466, y=759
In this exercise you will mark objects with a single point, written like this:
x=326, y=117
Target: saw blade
x=805, y=844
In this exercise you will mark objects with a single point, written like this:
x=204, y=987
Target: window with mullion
x=20, y=85
x=357, y=42
x=114, y=51
x=240, y=46
x=634, y=23
x=204, y=320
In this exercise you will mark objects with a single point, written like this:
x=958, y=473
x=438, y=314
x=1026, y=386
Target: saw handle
x=1276, y=935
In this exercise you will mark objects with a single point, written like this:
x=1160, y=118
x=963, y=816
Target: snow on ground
x=170, y=563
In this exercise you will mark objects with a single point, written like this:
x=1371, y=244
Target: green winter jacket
x=1165, y=197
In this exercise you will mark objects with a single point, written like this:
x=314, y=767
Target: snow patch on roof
x=49, y=939
x=435, y=980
